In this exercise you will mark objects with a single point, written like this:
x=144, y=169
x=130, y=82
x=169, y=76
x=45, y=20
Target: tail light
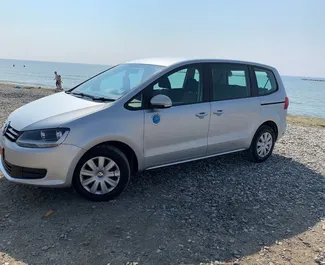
x=286, y=103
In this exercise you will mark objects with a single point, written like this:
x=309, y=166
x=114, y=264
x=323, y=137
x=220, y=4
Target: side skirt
x=195, y=159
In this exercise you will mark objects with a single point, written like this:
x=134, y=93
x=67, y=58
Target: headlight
x=43, y=138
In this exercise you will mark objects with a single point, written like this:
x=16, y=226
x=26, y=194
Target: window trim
x=248, y=77
x=254, y=88
x=254, y=68
x=202, y=67
x=126, y=104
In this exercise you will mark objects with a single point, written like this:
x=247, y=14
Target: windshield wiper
x=90, y=96
x=82, y=95
x=104, y=99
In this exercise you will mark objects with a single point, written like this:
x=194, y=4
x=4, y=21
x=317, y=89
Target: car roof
x=169, y=61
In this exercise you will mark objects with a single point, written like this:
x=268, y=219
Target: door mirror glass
x=161, y=102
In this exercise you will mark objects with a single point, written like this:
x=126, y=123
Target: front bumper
x=58, y=163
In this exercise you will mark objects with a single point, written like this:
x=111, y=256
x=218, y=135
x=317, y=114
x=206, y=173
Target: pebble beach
x=223, y=210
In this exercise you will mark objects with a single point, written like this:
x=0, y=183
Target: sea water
x=307, y=97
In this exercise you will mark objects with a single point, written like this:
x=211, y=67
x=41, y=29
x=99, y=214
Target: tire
x=259, y=156
x=103, y=166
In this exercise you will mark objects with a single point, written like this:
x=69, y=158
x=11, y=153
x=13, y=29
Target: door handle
x=201, y=115
x=219, y=112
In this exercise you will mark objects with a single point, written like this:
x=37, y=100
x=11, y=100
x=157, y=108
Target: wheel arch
x=272, y=125
x=126, y=149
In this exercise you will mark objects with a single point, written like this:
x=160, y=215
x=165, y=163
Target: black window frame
x=126, y=105
x=201, y=66
x=254, y=79
x=248, y=77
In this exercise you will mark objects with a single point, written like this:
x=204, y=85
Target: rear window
x=266, y=81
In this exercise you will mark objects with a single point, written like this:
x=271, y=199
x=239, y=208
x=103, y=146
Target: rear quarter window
x=266, y=82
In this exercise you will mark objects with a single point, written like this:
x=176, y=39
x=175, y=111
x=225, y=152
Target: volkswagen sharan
x=142, y=115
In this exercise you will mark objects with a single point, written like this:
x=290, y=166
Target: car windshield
x=117, y=81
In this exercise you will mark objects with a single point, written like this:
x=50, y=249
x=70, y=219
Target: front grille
x=23, y=172
x=11, y=134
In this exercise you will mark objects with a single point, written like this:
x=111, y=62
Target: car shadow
x=213, y=209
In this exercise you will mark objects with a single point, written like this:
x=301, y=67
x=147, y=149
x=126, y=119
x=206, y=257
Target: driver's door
x=180, y=132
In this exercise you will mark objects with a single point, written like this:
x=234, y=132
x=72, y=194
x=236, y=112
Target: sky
x=287, y=34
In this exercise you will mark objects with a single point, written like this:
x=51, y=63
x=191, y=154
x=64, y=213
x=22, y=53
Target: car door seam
x=208, y=133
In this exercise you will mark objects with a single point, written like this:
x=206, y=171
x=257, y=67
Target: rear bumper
x=282, y=129
x=51, y=167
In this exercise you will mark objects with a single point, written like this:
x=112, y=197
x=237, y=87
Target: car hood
x=52, y=111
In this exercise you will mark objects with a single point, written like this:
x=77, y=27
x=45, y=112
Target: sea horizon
x=108, y=65
x=306, y=93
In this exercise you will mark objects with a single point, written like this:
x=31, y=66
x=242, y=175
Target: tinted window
x=230, y=81
x=176, y=80
x=183, y=86
x=265, y=81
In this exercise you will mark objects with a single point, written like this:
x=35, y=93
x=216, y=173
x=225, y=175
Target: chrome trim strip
x=195, y=159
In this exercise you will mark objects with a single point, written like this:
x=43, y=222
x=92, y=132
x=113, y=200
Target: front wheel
x=102, y=173
x=262, y=145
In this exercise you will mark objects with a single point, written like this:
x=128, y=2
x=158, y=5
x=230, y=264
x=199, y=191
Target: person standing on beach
x=58, y=81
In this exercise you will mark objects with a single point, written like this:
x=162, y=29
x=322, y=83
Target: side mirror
x=161, y=102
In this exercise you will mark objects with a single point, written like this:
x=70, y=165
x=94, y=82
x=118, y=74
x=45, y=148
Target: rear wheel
x=262, y=145
x=102, y=173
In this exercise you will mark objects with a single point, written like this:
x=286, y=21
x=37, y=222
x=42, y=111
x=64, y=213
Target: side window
x=197, y=75
x=265, y=81
x=237, y=78
x=177, y=79
x=136, y=102
x=230, y=81
x=183, y=86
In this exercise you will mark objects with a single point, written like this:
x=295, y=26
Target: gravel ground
x=223, y=210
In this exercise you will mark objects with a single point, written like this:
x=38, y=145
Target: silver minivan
x=142, y=115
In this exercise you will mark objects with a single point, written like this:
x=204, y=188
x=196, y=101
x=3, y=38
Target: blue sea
x=306, y=97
